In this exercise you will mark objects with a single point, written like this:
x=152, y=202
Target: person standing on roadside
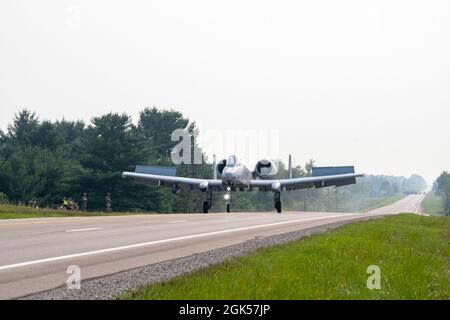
x=84, y=201
x=108, y=202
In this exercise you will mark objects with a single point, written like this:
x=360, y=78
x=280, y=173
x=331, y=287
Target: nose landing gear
x=227, y=198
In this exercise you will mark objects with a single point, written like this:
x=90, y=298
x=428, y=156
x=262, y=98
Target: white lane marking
x=177, y=221
x=88, y=229
x=143, y=244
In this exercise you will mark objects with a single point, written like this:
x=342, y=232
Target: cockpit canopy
x=232, y=161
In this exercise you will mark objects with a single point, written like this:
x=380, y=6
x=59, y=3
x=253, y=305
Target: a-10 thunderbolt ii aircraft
x=234, y=176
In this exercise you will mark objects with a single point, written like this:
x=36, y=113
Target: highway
x=35, y=253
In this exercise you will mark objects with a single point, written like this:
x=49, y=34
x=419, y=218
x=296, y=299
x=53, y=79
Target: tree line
x=45, y=161
x=441, y=188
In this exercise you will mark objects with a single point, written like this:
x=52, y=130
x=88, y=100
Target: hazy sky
x=343, y=82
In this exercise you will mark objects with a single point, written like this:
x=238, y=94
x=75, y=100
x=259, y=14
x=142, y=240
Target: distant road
x=35, y=253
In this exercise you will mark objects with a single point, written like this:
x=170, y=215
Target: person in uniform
x=108, y=202
x=65, y=203
x=84, y=201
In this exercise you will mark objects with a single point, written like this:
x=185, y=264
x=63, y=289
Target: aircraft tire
x=206, y=206
x=278, y=206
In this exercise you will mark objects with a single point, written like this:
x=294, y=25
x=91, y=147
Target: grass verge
x=22, y=212
x=411, y=251
x=433, y=204
x=372, y=204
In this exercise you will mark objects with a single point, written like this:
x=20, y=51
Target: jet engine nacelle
x=266, y=169
x=221, y=165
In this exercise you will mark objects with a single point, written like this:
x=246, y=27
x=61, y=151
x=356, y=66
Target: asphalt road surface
x=35, y=253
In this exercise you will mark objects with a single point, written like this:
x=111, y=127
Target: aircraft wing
x=307, y=182
x=170, y=181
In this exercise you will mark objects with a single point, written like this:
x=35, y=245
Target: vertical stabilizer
x=290, y=166
x=214, y=167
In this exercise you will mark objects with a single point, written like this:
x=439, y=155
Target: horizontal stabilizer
x=158, y=170
x=331, y=171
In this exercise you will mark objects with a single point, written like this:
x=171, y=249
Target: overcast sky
x=343, y=82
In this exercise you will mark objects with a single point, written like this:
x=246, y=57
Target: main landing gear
x=277, y=201
x=208, y=202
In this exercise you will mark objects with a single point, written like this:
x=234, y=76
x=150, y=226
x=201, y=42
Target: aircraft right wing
x=165, y=178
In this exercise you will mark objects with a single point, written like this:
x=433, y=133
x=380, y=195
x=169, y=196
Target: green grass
x=375, y=203
x=22, y=212
x=433, y=204
x=412, y=252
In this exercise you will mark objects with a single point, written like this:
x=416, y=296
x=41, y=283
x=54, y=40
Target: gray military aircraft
x=234, y=176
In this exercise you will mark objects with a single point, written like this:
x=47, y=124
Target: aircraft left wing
x=322, y=177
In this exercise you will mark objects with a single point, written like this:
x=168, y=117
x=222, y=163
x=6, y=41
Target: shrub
x=3, y=198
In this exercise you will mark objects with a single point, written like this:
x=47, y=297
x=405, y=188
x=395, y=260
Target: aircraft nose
x=228, y=176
